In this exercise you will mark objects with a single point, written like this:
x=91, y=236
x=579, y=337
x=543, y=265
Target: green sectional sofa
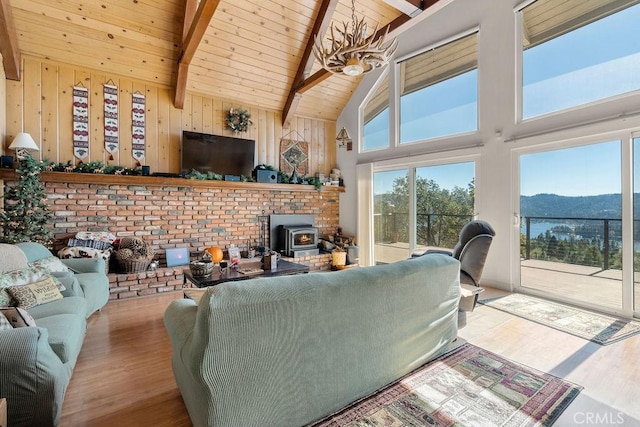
x=36, y=363
x=287, y=351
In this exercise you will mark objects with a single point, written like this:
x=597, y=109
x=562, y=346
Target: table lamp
x=22, y=143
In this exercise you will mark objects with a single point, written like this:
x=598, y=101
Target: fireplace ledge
x=88, y=178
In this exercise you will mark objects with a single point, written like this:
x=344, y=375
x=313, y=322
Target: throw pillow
x=103, y=236
x=38, y=293
x=51, y=264
x=18, y=317
x=20, y=277
x=82, y=252
x=4, y=323
x=95, y=244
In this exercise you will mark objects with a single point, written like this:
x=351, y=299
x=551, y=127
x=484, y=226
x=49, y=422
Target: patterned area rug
x=599, y=328
x=469, y=387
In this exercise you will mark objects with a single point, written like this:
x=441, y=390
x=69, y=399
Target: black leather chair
x=471, y=250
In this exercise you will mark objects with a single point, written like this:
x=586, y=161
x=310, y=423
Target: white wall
x=496, y=183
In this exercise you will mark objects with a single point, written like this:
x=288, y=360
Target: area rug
x=599, y=328
x=469, y=387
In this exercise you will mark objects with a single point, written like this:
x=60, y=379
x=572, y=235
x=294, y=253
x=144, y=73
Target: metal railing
x=604, y=237
x=433, y=229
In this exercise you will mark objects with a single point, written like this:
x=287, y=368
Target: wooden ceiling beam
x=9, y=43
x=321, y=75
x=408, y=7
x=320, y=26
x=197, y=23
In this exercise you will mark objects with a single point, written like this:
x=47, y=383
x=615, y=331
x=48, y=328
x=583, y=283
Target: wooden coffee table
x=285, y=268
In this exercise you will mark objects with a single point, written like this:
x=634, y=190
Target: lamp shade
x=23, y=141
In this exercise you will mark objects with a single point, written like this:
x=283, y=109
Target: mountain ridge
x=553, y=205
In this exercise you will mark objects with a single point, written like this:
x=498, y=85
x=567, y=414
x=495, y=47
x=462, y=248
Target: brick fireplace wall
x=176, y=212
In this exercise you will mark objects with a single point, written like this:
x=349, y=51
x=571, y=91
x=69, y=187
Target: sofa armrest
x=32, y=377
x=180, y=320
x=85, y=265
x=68, y=279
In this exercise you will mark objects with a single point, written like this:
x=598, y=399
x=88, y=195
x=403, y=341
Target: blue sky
x=580, y=171
x=447, y=176
x=596, y=61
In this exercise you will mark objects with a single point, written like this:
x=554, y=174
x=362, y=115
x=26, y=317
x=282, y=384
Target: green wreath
x=238, y=120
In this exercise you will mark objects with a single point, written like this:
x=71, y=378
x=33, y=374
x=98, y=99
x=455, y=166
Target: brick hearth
x=171, y=212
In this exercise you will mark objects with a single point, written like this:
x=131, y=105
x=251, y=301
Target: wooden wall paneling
x=66, y=81
x=163, y=163
x=316, y=152
x=174, y=155
x=218, y=116
x=3, y=112
x=187, y=114
x=50, y=112
x=252, y=132
x=261, y=140
x=32, y=113
x=270, y=139
x=15, y=109
x=207, y=115
x=151, y=131
x=278, y=131
x=226, y=105
x=196, y=113
x=96, y=118
x=126, y=88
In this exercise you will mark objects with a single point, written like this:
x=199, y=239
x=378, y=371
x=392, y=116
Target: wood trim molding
x=9, y=42
x=321, y=24
x=88, y=178
x=199, y=22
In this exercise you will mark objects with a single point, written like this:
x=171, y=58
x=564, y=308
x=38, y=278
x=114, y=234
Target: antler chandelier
x=353, y=53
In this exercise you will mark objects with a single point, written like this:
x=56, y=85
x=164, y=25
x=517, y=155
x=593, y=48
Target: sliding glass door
x=571, y=224
x=419, y=208
x=390, y=216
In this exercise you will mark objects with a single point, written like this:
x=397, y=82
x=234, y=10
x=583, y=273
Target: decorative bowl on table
x=201, y=268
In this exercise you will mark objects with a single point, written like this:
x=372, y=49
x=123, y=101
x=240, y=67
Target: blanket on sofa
x=11, y=258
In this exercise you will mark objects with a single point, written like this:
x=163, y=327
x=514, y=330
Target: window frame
x=396, y=95
x=519, y=77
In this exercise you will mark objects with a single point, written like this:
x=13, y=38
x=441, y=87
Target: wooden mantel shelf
x=88, y=178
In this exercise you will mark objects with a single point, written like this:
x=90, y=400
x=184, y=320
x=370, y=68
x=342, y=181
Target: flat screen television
x=223, y=155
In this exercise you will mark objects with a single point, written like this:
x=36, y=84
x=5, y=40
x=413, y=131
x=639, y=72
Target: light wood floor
x=123, y=376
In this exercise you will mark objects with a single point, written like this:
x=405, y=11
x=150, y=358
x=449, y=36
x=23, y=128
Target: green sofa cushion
x=69, y=305
x=95, y=288
x=66, y=334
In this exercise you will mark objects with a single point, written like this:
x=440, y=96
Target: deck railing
x=604, y=237
x=433, y=229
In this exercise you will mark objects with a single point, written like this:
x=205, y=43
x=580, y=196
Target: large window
x=439, y=91
x=376, y=118
x=576, y=52
x=421, y=208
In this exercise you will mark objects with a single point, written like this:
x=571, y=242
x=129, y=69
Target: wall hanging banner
x=138, y=126
x=80, y=122
x=111, y=137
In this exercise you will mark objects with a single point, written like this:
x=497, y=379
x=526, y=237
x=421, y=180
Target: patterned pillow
x=82, y=252
x=95, y=244
x=41, y=292
x=103, y=236
x=21, y=277
x=4, y=323
x=18, y=317
x=50, y=264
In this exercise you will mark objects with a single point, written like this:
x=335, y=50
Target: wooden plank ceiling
x=248, y=51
